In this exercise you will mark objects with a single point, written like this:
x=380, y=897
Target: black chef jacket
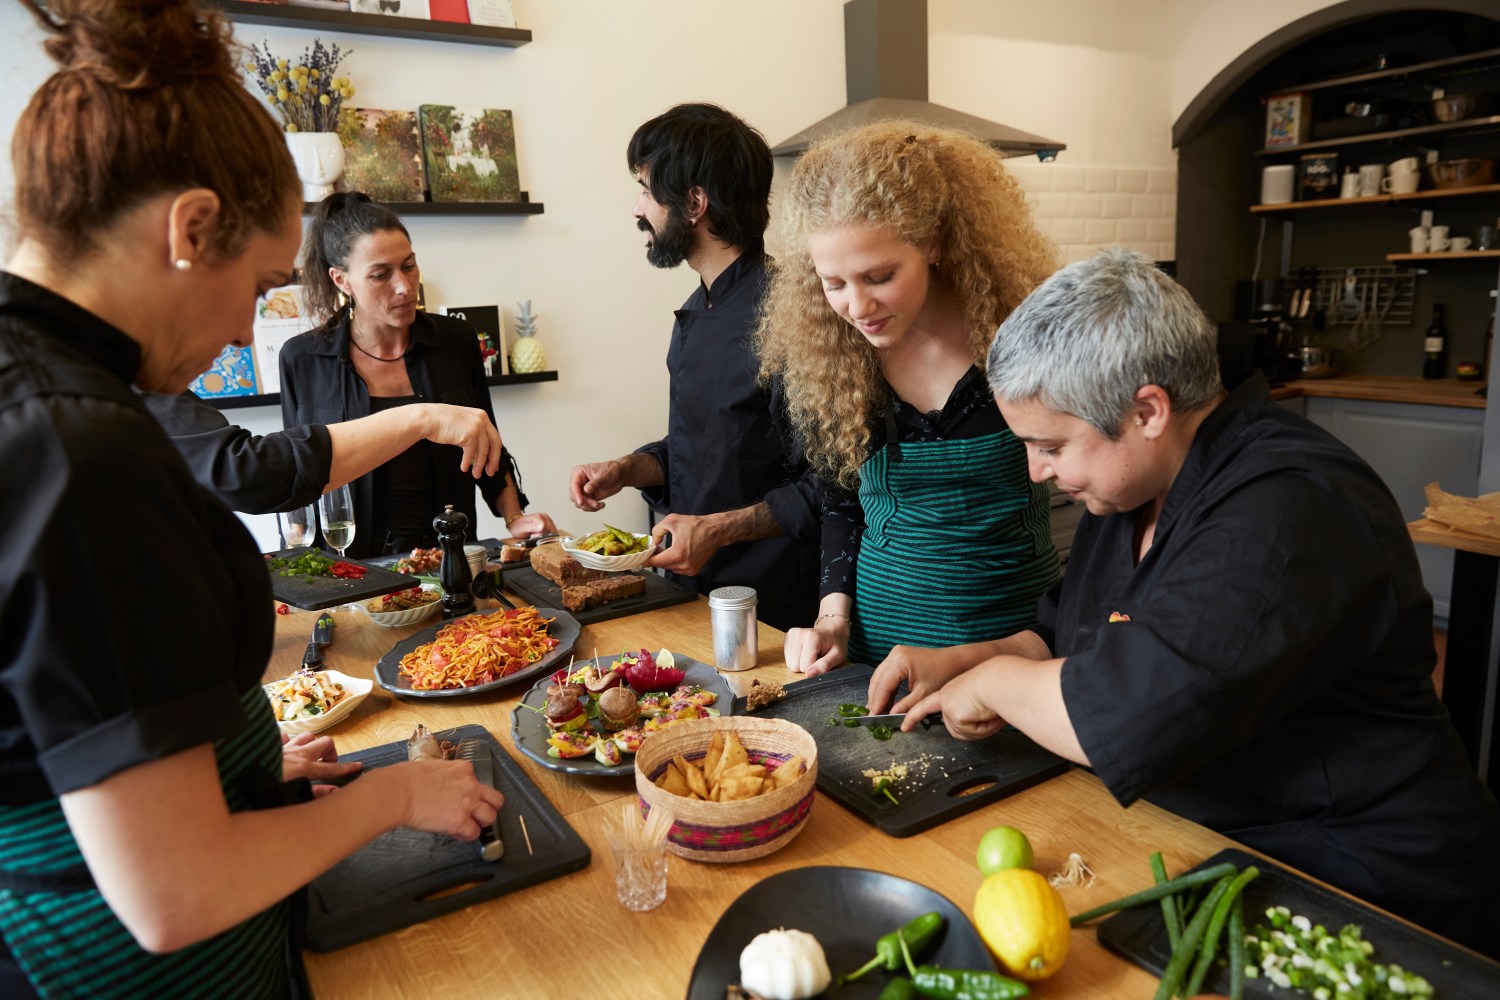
x=727, y=448
x=320, y=386
x=1273, y=681
x=256, y=474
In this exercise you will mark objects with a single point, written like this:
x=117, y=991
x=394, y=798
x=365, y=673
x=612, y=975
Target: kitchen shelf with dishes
x=456, y=208
x=385, y=25
x=274, y=398
x=1465, y=126
x=1445, y=255
x=1470, y=62
x=1379, y=199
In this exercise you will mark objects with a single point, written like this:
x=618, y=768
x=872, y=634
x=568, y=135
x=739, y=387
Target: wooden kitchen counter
x=1386, y=389
x=570, y=935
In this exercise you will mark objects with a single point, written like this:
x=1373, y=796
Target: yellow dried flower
x=281, y=64
x=323, y=100
x=291, y=126
x=316, y=75
x=281, y=94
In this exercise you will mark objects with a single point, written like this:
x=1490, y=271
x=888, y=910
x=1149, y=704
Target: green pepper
x=883, y=785
x=960, y=984
x=917, y=932
x=882, y=732
x=899, y=989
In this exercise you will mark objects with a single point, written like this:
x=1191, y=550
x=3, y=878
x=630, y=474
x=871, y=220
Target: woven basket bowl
x=730, y=831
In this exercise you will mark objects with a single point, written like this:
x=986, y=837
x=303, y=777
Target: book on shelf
x=492, y=13
x=489, y=323
x=280, y=315
x=231, y=374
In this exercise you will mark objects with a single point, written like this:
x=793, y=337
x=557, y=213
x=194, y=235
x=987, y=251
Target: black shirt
x=257, y=474
x=135, y=607
x=1273, y=681
x=727, y=447
x=320, y=386
x=970, y=412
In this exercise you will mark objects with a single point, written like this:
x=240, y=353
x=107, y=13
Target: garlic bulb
x=784, y=965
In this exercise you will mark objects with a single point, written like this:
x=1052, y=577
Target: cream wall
x=1104, y=77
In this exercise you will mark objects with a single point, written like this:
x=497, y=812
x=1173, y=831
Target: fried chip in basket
x=734, y=754
x=694, y=776
x=672, y=780
x=787, y=772
x=715, y=751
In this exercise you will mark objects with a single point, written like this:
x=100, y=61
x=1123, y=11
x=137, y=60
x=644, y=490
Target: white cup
x=1400, y=183
x=1405, y=165
x=1369, y=179
x=1437, y=239
x=1349, y=186
x=1276, y=184
x=1418, y=239
x=1458, y=244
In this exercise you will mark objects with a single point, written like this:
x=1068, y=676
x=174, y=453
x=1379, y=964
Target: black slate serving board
x=660, y=592
x=941, y=768
x=314, y=593
x=1140, y=935
x=388, y=884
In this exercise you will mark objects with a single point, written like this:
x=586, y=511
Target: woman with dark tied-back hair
x=376, y=352
x=148, y=844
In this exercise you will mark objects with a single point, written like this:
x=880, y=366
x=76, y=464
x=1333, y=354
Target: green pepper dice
x=960, y=984
x=918, y=934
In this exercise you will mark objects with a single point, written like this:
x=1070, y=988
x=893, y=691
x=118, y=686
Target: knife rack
x=1397, y=288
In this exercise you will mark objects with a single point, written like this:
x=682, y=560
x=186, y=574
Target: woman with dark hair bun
x=375, y=352
x=144, y=822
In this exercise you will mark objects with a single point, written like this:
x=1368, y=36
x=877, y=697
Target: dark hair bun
x=133, y=44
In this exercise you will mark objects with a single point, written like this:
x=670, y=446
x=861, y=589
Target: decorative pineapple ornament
x=527, y=354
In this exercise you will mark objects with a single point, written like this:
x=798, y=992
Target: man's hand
x=470, y=429
x=964, y=702
x=593, y=483
x=313, y=757
x=694, y=541
x=527, y=525
x=923, y=670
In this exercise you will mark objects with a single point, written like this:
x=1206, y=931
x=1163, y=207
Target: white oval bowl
x=406, y=616
x=357, y=690
x=608, y=564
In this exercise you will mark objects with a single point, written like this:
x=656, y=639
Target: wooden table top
x=1386, y=389
x=500, y=947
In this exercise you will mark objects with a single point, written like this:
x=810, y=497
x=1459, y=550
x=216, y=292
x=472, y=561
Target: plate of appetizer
x=478, y=653
x=309, y=701
x=610, y=550
x=846, y=910
x=592, y=718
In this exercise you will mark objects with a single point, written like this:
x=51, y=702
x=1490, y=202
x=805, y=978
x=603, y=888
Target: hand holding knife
x=894, y=721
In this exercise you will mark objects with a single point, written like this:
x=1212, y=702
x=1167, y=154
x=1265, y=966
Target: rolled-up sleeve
x=658, y=497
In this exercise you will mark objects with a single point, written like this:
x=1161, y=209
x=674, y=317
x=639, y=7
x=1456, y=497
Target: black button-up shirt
x=1273, y=681
x=727, y=447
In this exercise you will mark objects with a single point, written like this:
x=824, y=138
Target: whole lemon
x=1002, y=847
x=1024, y=922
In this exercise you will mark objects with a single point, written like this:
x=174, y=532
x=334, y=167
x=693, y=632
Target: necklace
x=376, y=356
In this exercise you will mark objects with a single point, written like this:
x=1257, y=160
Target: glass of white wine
x=337, y=510
x=298, y=526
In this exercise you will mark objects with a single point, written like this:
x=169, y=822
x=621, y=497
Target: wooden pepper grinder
x=454, y=574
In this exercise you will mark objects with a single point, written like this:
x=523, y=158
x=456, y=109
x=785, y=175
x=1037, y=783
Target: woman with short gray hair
x=1242, y=636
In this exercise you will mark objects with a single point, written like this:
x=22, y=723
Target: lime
x=666, y=660
x=1002, y=847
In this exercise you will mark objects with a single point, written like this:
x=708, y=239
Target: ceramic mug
x=1349, y=187
x=1437, y=239
x=1418, y=239
x=1405, y=165
x=1369, y=179
x=1458, y=244
x=1400, y=183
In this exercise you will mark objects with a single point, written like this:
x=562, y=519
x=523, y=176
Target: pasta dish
x=479, y=649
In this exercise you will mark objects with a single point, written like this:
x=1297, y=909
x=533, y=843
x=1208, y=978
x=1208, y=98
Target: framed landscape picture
x=470, y=154
x=382, y=153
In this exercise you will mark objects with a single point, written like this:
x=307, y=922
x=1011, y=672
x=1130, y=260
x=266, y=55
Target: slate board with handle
x=661, y=592
x=391, y=882
x=1139, y=935
x=941, y=769
x=314, y=593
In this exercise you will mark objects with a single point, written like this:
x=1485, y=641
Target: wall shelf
x=286, y=16
x=1443, y=128
x=1379, y=199
x=1394, y=73
x=410, y=208
x=274, y=398
x=1449, y=255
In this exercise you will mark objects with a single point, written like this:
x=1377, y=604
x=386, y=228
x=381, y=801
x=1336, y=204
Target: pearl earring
x=182, y=264
x=1139, y=422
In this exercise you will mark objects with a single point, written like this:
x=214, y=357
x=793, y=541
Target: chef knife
x=525, y=543
x=322, y=635
x=893, y=721
x=491, y=847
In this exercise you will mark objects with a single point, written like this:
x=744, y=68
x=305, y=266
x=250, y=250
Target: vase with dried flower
x=307, y=96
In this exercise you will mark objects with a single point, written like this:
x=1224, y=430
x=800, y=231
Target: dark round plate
x=564, y=629
x=846, y=909
x=530, y=732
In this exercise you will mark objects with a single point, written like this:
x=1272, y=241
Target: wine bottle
x=1435, y=344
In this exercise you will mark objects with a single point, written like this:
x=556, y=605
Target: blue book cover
x=231, y=374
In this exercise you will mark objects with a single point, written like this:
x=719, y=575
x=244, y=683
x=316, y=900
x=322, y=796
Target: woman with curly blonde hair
x=905, y=246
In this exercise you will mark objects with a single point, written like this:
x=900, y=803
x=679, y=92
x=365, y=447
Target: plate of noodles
x=478, y=652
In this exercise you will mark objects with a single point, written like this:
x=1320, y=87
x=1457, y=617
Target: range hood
x=885, y=66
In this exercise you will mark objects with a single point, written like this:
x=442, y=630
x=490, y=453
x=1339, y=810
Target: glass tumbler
x=640, y=876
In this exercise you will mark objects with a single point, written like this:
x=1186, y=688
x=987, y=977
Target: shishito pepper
x=899, y=989
x=917, y=933
x=960, y=984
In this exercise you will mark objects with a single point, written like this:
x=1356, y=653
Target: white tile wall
x=1085, y=208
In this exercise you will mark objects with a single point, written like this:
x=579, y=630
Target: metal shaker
x=732, y=611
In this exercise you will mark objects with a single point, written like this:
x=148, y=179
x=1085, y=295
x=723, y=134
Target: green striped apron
x=957, y=545
x=65, y=937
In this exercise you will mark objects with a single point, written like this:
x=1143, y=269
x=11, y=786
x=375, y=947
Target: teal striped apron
x=957, y=545
x=65, y=937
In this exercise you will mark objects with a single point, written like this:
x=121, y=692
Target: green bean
x=1187, y=947
x=1168, y=903
x=1237, y=950
x=1210, y=945
x=1156, y=892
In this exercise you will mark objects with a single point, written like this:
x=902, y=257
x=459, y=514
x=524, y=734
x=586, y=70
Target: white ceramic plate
x=357, y=689
x=407, y=616
x=608, y=564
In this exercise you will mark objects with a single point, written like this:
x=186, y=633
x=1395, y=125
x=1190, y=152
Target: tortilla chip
x=734, y=753
x=745, y=787
x=787, y=772
x=693, y=775
x=673, y=780
x=715, y=749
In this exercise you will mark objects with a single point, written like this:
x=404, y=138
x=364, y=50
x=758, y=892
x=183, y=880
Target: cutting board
x=395, y=880
x=314, y=593
x=946, y=777
x=660, y=592
x=1140, y=935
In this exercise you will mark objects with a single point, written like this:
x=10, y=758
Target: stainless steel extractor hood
x=885, y=66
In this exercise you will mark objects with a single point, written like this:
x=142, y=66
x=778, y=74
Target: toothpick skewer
x=527, y=835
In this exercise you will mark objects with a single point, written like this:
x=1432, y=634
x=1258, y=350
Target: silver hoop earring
x=182, y=264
